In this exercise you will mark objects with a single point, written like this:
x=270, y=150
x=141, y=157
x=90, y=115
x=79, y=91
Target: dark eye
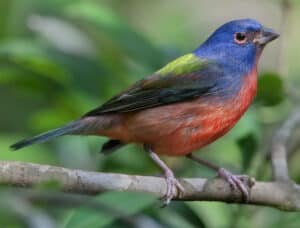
x=240, y=37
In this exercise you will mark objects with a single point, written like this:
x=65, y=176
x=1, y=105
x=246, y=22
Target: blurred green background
x=61, y=58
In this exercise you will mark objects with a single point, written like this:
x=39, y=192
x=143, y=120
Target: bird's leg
x=174, y=188
x=242, y=183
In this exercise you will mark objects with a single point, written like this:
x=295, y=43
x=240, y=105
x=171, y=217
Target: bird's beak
x=265, y=36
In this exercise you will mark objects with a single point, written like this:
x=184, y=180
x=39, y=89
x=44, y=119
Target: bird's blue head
x=239, y=42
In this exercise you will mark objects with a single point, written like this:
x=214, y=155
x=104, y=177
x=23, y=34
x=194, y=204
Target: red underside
x=179, y=129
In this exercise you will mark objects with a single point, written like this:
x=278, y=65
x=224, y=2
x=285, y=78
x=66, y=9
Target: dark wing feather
x=167, y=86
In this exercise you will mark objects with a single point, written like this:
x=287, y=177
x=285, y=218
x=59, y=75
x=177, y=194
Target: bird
x=185, y=105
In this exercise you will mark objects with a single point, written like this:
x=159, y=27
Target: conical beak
x=265, y=36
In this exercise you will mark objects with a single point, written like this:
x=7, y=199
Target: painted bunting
x=187, y=104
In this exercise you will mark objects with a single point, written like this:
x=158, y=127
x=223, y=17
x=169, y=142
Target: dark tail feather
x=71, y=128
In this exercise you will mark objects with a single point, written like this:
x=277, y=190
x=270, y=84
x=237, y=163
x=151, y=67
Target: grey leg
x=242, y=183
x=174, y=188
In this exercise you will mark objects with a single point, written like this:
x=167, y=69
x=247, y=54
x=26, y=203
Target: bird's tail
x=70, y=128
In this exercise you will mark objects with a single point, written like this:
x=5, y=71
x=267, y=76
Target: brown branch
x=279, y=146
x=284, y=196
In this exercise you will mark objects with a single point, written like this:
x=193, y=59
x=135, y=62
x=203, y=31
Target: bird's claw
x=243, y=183
x=174, y=188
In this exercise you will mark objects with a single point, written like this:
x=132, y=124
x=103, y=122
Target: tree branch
x=279, y=146
x=284, y=196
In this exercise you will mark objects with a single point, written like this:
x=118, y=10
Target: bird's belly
x=179, y=129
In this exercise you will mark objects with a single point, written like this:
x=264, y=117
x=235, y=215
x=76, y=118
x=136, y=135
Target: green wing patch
x=184, y=64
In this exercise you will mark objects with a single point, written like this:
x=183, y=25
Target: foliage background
x=61, y=58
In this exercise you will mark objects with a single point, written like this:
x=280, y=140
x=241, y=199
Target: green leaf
x=32, y=58
x=115, y=205
x=270, y=89
x=174, y=220
x=248, y=146
x=214, y=214
x=8, y=75
x=184, y=216
x=107, y=22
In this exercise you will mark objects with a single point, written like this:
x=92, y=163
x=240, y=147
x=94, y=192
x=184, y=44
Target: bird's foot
x=174, y=188
x=242, y=183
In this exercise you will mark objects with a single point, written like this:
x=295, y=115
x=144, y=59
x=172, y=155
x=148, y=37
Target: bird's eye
x=240, y=37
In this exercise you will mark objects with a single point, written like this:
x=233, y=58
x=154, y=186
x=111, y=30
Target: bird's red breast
x=179, y=129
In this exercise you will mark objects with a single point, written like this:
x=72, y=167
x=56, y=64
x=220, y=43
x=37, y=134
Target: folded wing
x=185, y=78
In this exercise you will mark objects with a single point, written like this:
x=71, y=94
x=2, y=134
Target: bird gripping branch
x=184, y=106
